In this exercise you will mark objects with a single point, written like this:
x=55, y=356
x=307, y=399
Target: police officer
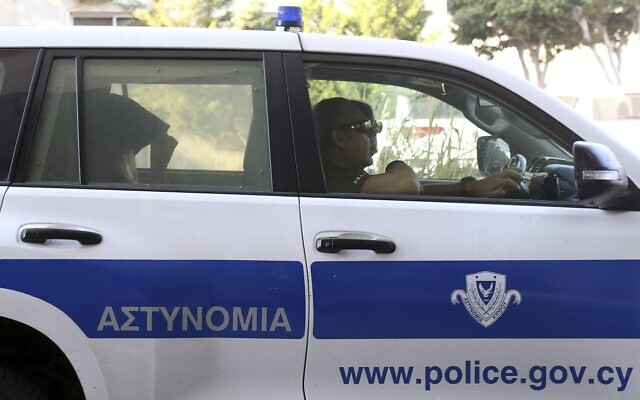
x=348, y=142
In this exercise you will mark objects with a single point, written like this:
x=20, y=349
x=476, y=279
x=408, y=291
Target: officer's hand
x=495, y=186
x=400, y=168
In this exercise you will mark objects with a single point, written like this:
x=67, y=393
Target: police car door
x=171, y=239
x=450, y=297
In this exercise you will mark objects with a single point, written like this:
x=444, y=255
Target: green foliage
x=473, y=23
x=543, y=27
x=183, y=13
x=495, y=25
x=250, y=15
x=492, y=25
x=538, y=22
x=324, y=16
x=618, y=18
x=609, y=23
x=399, y=19
x=210, y=122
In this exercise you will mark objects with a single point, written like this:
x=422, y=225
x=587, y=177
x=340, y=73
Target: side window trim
x=284, y=178
x=28, y=132
x=306, y=147
x=80, y=124
x=283, y=165
x=25, y=114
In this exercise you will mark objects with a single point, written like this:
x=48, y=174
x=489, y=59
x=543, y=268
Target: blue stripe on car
x=412, y=300
x=168, y=299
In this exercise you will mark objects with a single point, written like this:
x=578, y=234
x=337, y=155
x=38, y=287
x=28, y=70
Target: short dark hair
x=336, y=112
x=365, y=108
x=333, y=113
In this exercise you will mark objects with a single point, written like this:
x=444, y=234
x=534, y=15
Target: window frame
x=307, y=149
x=281, y=155
x=33, y=72
x=113, y=17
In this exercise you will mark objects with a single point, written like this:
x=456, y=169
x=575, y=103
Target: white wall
x=51, y=12
x=577, y=71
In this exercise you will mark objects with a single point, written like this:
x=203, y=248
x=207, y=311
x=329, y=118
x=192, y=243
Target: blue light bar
x=289, y=19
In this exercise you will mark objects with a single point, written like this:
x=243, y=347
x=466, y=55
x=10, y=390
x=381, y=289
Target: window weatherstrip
x=32, y=98
x=80, y=119
x=281, y=151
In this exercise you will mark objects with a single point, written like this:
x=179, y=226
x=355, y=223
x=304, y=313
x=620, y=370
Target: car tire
x=14, y=386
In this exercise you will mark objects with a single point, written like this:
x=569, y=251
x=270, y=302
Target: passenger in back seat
x=116, y=129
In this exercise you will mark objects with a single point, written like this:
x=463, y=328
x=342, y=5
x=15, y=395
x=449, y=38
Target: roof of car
x=145, y=37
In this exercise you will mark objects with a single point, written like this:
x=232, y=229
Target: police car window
x=16, y=71
x=443, y=130
x=54, y=154
x=194, y=123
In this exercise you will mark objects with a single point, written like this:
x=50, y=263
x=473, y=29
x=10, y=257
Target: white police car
x=165, y=230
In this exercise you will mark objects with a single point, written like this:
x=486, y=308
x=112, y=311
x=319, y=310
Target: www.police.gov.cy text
x=537, y=377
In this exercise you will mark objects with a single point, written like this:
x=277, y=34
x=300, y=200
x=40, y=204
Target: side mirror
x=493, y=155
x=600, y=178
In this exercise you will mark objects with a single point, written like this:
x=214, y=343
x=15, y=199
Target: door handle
x=41, y=233
x=336, y=244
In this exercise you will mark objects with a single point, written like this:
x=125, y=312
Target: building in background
x=63, y=12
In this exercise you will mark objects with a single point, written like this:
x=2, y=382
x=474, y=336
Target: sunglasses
x=368, y=126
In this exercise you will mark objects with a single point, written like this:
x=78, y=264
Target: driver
x=348, y=142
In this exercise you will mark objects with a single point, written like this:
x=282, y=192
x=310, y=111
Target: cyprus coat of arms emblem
x=486, y=298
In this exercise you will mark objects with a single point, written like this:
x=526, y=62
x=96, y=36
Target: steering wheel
x=518, y=163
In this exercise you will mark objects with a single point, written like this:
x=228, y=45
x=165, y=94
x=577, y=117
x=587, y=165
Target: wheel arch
x=54, y=325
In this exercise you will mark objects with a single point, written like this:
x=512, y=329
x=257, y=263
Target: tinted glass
x=169, y=123
x=16, y=72
x=176, y=123
x=54, y=153
x=443, y=131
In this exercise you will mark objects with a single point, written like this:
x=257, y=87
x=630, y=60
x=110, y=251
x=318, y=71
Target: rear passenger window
x=16, y=72
x=183, y=123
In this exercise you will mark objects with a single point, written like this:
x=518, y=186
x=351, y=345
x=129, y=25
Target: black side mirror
x=493, y=155
x=600, y=178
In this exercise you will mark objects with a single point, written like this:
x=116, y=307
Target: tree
x=183, y=13
x=399, y=19
x=250, y=15
x=609, y=23
x=538, y=28
x=543, y=28
x=325, y=16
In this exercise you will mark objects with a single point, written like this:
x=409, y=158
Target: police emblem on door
x=486, y=298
